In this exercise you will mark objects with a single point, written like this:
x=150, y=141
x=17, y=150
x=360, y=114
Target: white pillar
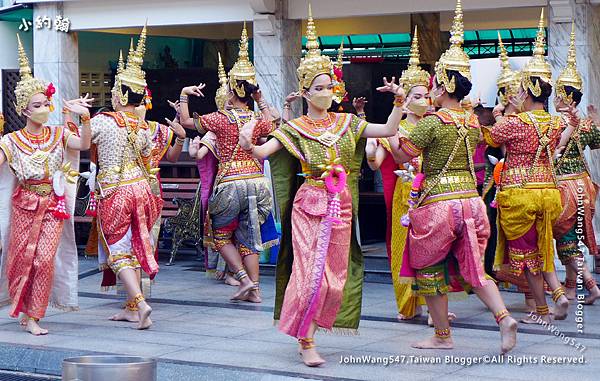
x=277, y=51
x=56, y=57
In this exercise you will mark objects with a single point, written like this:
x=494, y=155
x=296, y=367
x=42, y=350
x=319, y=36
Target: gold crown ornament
x=313, y=64
x=221, y=95
x=509, y=80
x=455, y=57
x=132, y=75
x=569, y=76
x=537, y=65
x=28, y=86
x=414, y=75
x=339, y=86
x=242, y=70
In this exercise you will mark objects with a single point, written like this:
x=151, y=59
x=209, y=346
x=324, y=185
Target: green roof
x=478, y=43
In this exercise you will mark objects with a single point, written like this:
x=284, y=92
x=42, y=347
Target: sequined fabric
x=519, y=135
x=435, y=137
x=117, y=159
x=301, y=138
x=226, y=125
x=19, y=151
x=120, y=261
x=571, y=161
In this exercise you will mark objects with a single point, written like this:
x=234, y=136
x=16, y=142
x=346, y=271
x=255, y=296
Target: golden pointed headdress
x=455, y=57
x=242, y=70
x=537, y=65
x=221, y=95
x=120, y=64
x=339, y=88
x=414, y=75
x=132, y=74
x=313, y=64
x=27, y=86
x=569, y=76
x=509, y=80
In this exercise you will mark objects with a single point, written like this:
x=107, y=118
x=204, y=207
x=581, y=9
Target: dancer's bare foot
x=538, y=319
x=570, y=293
x=591, y=298
x=254, y=297
x=126, y=315
x=34, y=328
x=451, y=317
x=245, y=286
x=229, y=280
x=561, y=308
x=309, y=353
x=434, y=343
x=144, y=315
x=508, y=333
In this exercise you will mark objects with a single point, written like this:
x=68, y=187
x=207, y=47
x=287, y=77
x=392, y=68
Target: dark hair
x=133, y=99
x=577, y=94
x=546, y=90
x=249, y=89
x=484, y=115
x=463, y=85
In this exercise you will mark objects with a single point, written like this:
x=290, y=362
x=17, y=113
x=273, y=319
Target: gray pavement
x=199, y=335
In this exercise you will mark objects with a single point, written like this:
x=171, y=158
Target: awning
x=16, y=13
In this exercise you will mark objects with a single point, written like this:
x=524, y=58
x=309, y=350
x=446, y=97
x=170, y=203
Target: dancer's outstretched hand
x=391, y=87
x=176, y=127
x=194, y=90
x=292, y=97
x=359, y=104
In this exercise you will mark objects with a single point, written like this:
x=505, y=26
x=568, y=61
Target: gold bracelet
x=398, y=101
x=84, y=118
x=179, y=141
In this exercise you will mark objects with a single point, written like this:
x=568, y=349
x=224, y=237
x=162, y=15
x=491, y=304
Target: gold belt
x=531, y=186
x=115, y=170
x=520, y=171
x=456, y=179
x=239, y=164
x=39, y=189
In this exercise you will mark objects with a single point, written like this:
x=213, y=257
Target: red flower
x=50, y=91
x=148, y=92
x=339, y=74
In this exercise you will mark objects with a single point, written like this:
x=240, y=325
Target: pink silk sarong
x=34, y=238
x=319, y=272
x=457, y=226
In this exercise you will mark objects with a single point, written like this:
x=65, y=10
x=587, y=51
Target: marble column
x=430, y=37
x=56, y=57
x=277, y=50
x=587, y=29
